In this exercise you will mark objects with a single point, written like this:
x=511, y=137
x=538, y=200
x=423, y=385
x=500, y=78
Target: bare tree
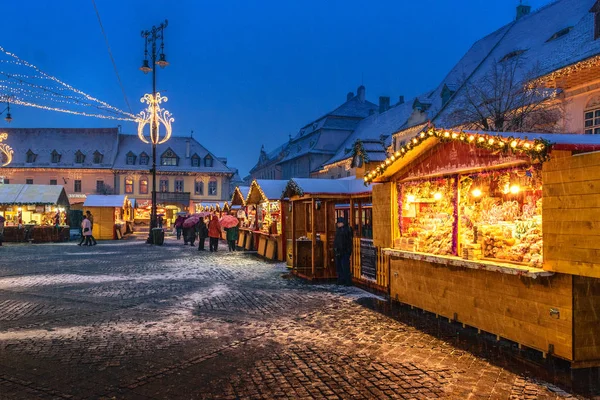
x=105, y=189
x=502, y=102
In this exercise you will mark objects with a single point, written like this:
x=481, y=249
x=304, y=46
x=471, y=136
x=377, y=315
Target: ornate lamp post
x=153, y=114
x=5, y=150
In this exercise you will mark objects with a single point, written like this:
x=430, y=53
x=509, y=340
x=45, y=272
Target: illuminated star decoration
x=5, y=149
x=154, y=112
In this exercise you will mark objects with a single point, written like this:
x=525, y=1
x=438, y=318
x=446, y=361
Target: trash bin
x=158, y=236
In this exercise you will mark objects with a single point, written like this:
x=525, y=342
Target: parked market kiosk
x=500, y=233
x=263, y=230
x=36, y=213
x=314, y=208
x=111, y=214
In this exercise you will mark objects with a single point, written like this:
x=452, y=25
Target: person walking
x=192, y=234
x=90, y=217
x=232, y=237
x=202, y=234
x=179, y=225
x=214, y=233
x=86, y=229
x=1, y=229
x=342, y=246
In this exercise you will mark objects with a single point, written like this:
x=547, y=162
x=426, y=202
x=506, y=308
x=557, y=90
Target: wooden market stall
x=238, y=204
x=111, y=214
x=36, y=213
x=314, y=206
x=264, y=227
x=498, y=233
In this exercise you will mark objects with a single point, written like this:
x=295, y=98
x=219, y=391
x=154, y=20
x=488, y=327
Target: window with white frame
x=212, y=187
x=129, y=185
x=199, y=187
x=592, y=120
x=179, y=185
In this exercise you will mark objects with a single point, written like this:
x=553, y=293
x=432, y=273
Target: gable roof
x=33, y=195
x=178, y=144
x=262, y=190
x=66, y=141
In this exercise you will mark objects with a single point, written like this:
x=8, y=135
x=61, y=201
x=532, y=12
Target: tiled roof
x=178, y=144
x=66, y=141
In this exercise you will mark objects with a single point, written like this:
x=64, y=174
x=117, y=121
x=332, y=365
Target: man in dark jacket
x=342, y=246
x=202, y=234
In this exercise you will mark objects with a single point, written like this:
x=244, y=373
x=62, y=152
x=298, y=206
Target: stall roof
x=313, y=186
x=265, y=189
x=239, y=196
x=33, y=194
x=112, y=200
x=525, y=144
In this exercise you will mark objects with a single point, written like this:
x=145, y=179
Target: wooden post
x=360, y=219
x=314, y=235
x=324, y=243
x=293, y=236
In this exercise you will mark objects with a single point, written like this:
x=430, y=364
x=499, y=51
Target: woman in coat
x=232, y=237
x=202, y=234
x=86, y=229
x=214, y=233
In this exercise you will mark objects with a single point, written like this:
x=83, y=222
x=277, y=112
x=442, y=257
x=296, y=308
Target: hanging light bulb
x=514, y=189
x=437, y=196
x=410, y=198
x=476, y=192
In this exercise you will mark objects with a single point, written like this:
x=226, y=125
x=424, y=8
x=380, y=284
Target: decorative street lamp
x=8, y=117
x=154, y=114
x=5, y=150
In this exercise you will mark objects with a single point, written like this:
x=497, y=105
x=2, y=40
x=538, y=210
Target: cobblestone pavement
x=124, y=320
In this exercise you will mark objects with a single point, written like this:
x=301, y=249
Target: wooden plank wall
x=382, y=214
x=512, y=307
x=571, y=214
x=383, y=265
x=103, y=223
x=586, y=311
x=355, y=261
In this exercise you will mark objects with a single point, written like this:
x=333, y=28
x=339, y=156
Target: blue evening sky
x=246, y=73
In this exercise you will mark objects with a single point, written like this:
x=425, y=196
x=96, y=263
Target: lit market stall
x=314, y=209
x=238, y=204
x=494, y=232
x=264, y=228
x=34, y=212
x=111, y=215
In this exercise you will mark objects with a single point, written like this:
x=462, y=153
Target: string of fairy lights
x=23, y=83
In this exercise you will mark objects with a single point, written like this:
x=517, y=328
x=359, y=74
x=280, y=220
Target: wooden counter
x=37, y=234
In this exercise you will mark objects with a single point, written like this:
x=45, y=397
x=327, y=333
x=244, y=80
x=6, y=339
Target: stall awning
x=330, y=187
x=96, y=200
x=33, y=195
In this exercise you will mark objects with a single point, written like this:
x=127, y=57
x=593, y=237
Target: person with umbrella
x=214, y=233
x=230, y=224
x=189, y=230
x=179, y=225
x=202, y=233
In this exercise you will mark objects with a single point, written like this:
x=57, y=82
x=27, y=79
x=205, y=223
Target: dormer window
x=31, y=156
x=512, y=54
x=195, y=160
x=55, y=157
x=79, y=157
x=98, y=157
x=144, y=159
x=208, y=161
x=130, y=158
x=560, y=34
x=596, y=10
x=447, y=92
x=169, y=158
x=420, y=106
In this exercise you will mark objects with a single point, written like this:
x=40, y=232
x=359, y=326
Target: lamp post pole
x=151, y=37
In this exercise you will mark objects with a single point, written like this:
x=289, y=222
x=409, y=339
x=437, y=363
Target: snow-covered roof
x=22, y=194
x=66, y=142
x=111, y=200
x=240, y=194
x=178, y=144
x=313, y=186
x=265, y=189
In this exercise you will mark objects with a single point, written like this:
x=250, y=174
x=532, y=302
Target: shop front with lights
x=112, y=215
x=238, y=206
x=487, y=230
x=36, y=213
x=264, y=226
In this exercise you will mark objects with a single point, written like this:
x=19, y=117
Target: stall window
x=129, y=185
x=77, y=186
x=367, y=223
x=164, y=185
x=212, y=187
x=53, y=182
x=99, y=186
x=29, y=181
x=592, y=121
x=179, y=185
x=199, y=188
x=144, y=185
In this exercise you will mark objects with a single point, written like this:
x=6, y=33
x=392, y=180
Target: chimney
x=187, y=148
x=349, y=96
x=401, y=100
x=384, y=104
x=522, y=10
x=360, y=92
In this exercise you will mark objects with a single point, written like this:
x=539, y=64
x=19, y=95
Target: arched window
x=128, y=185
x=143, y=185
x=199, y=187
x=212, y=187
x=164, y=185
x=592, y=116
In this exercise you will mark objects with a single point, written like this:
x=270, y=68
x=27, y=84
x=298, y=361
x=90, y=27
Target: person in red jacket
x=214, y=233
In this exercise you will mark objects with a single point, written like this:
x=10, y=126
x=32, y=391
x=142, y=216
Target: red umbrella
x=190, y=222
x=229, y=221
